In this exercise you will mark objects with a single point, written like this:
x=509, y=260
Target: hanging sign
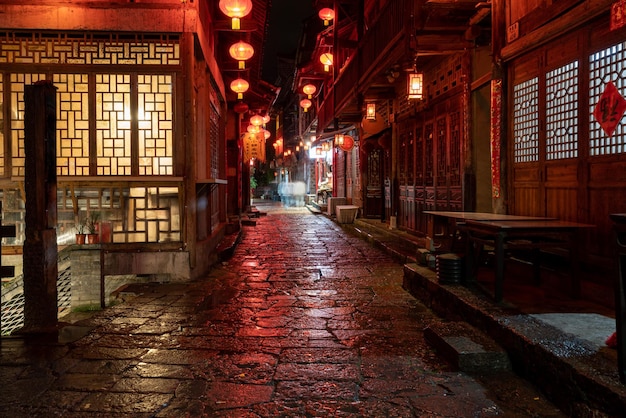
x=618, y=14
x=348, y=143
x=253, y=147
x=610, y=109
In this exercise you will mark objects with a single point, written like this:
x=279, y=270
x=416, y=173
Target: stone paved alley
x=304, y=320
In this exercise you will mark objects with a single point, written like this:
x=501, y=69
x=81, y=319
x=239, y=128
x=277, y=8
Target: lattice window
x=402, y=153
x=155, y=125
x=18, y=81
x=373, y=168
x=72, y=124
x=113, y=129
x=154, y=215
x=89, y=49
x=2, y=143
x=604, y=66
x=526, y=121
x=410, y=158
x=442, y=158
x=447, y=76
x=419, y=156
x=429, y=175
x=455, y=149
x=214, y=141
x=562, y=112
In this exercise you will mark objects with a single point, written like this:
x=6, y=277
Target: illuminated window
x=526, y=121
x=606, y=65
x=562, y=112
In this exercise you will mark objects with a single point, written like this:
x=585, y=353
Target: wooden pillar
x=189, y=210
x=40, y=244
x=498, y=106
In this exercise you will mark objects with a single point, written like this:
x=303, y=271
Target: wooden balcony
x=384, y=43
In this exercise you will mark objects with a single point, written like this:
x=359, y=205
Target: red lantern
x=305, y=103
x=236, y=9
x=239, y=86
x=309, y=90
x=241, y=51
x=240, y=107
x=256, y=120
x=326, y=14
x=327, y=59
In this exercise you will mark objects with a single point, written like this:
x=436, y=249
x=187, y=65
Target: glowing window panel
x=155, y=125
x=604, y=66
x=72, y=124
x=562, y=112
x=113, y=124
x=18, y=81
x=526, y=121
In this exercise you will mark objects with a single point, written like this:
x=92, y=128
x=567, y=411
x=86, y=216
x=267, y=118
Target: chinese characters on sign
x=253, y=147
x=610, y=109
x=496, y=133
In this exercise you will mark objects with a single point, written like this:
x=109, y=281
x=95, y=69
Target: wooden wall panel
x=561, y=203
x=527, y=201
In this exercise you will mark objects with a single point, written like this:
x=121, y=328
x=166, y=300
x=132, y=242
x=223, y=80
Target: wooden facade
x=563, y=164
x=141, y=123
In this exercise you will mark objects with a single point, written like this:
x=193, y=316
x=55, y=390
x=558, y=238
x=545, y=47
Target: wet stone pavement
x=303, y=321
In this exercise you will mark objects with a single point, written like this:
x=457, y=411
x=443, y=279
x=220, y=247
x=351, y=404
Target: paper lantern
x=327, y=59
x=309, y=90
x=256, y=120
x=326, y=14
x=241, y=51
x=416, y=86
x=306, y=103
x=370, y=113
x=239, y=86
x=236, y=9
x=240, y=107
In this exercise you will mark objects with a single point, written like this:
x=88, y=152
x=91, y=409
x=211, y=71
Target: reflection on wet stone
x=303, y=320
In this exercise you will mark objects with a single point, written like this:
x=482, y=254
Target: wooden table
x=530, y=234
x=444, y=225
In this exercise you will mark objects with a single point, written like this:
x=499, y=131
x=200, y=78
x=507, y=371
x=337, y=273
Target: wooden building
x=142, y=123
x=517, y=97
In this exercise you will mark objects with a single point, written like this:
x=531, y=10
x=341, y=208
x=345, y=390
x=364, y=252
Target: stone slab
x=466, y=348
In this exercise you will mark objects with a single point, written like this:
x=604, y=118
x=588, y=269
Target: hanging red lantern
x=241, y=51
x=239, y=86
x=240, y=107
x=236, y=9
x=305, y=104
x=327, y=59
x=326, y=14
x=256, y=120
x=309, y=90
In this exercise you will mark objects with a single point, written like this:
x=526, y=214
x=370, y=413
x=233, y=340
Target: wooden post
x=40, y=244
x=498, y=114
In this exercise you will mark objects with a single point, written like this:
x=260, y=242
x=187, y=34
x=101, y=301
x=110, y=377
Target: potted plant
x=81, y=228
x=92, y=228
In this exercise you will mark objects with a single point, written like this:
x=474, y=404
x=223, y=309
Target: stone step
x=467, y=348
x=248, y=221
